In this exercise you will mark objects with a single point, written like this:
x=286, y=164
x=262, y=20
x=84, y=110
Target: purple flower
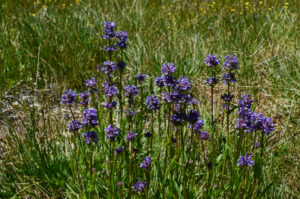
x=229, y=78
x=168, y=69
x=159, y=81
x=178, y=118
x=111, y=132
x=268, y=125
x=68, y=98
x=256, y=145
x=140, y=77
x=90, y=117
x=227, y=97
x=183, y=84
x=131, y=136
x=198, y=126
x=195, y=101
x=193, y=116
x=111, y=105
x=211, y=60
x=169, y=81
x=122, y=36
x=152, y=103
x=74, y=126
x=139, y=186
x=110, y=90
x=108, y=68
x=119, y=150
x=120, y=183
x=204, y=135
x=245, y=161
x=121, y=65
x=212, y=81
x=109, y=30
x=231, y=63
x=110, y=49
x=91, y=82
x=90, y=136
x=129, y=113
x=147, y=163
x=148, y=135
x=130, y=92
x=84, y=98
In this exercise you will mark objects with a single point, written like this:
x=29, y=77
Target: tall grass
x=55, y=45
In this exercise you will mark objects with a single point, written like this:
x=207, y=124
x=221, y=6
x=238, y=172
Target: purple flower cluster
x=90, y=117
x=90, y=136
x=110, y=48
x=111, y=132
x=119, y=150
x=193, y=116
x=121, y=65
x=108, y=68
x=74, y=126
x=250, y=121
x=130, y=92
x=68, y=98
x=168, y=69
x=204, y=135
x=147, y=163
x=230, y=64
x=139, y=186
x=152, y=103
x=183, y=84
x=131, y=136
x=109, y=30
x=110, y=90
x=212, y=81
x=211, y=60
x=122, y=36
x=245, y=161
x=91, y=83
x=140, y=77
x=84, y=97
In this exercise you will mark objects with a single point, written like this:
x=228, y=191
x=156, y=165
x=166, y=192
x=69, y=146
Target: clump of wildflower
x=111, y=132
x=129, y=113
x=131, y=136
x=122, y=36
x=84, y=98
x=168, y=69
x=195, y=101
x=74, y=126
x=109, y=30
x=148, y=134
x=152, y=103
x=211, y=60
x=139, y=186
x=120, y=183
x=90, y=136
x=245, y=161
x=140, y=77
x=68, y=98
x=169, y=80
x=227, y=97
x=90, y=117
x=119, y=150
x=111, y=105
x=147, y=163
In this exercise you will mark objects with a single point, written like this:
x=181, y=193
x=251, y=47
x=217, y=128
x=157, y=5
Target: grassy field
x=47, y=47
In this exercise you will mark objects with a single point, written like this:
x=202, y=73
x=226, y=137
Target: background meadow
x=47, y=47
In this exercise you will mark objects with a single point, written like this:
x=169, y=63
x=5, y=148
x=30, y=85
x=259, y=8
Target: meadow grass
x=50, y=46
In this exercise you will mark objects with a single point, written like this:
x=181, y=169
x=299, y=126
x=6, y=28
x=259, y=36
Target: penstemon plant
x=155, y=143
